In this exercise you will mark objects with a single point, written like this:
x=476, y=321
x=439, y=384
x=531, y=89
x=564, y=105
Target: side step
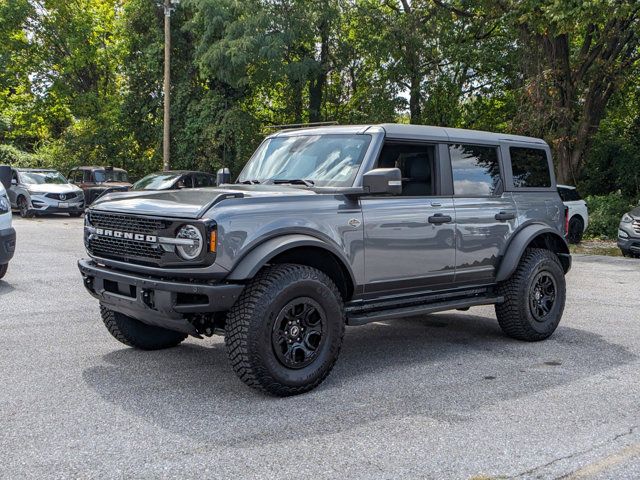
x=362, y=318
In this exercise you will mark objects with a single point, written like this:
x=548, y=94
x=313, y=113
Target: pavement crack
x=617, y=437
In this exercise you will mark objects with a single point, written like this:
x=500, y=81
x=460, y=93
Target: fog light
x=190, y=250
x=623, y=234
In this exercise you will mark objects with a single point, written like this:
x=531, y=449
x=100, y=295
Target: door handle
x=504, y=216
x=439, y=218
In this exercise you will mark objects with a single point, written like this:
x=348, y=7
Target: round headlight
x=192, y=249
x=626, y=218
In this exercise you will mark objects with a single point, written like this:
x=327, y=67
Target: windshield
x=324, y=160
x=110, y=176
x=40, y=178
x=156, y=181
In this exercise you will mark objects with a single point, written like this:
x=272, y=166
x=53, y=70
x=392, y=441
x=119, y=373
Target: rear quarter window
x=530, y=167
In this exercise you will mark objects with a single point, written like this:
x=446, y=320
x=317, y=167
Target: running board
x=362, y=318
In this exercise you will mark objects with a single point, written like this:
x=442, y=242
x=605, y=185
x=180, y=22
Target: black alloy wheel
x=542, y=296
x=298, y=332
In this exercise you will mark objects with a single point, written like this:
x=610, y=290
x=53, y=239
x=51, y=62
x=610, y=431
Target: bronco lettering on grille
x=139, y=237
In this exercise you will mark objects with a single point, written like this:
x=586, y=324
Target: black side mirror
x=223, y=176
x=383, y=180
x=5, y=176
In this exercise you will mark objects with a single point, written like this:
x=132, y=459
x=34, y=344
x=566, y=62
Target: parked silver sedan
x=42, y=191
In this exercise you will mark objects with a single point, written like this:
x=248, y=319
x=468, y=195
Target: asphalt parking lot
x=440, y=396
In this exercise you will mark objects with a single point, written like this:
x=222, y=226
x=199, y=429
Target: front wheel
x=534, y=297
x=134, y=333
x=3, y=270
x=23, y=206
x=284, y=333
x=75, y=214
x=576, y=230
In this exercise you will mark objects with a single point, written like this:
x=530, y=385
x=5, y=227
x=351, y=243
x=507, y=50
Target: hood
x=53, y=188
x=189, y=202
x=115, y=184
x=635, y=213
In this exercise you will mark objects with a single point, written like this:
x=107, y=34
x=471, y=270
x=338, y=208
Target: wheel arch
x=302, y=250
x=533, y=235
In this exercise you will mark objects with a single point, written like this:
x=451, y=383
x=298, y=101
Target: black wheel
x=284, y=333
x=3, y=270
x=576, y=229
x=75, y=214
x=134, y=333
x=534, y=297
x=23, y=207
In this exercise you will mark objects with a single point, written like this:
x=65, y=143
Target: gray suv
x=328, y=227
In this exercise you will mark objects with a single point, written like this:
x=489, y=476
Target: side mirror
x=5, y=176
x=223, y=176
x=383, y=180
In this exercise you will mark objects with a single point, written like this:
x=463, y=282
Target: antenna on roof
x=301, y=125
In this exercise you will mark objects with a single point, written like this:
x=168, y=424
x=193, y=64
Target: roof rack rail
x=301, y=125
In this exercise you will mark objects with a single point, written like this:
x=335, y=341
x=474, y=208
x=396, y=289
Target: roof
x=426, y=132
x=180, y=172
x=35, y=170
x=95, y=167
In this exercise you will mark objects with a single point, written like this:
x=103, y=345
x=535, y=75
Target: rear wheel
x=284, y=333
x=534, y=297
x=23, y=206
x=576, y=230
x=134, y=333
x=3, y=270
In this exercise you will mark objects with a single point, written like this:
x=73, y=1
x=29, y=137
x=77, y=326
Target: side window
x=475, y=169
x=86, y=176
x=564, y=194
x=530, y=167
x=201, y=180
x=416, y=162
x=14, y=176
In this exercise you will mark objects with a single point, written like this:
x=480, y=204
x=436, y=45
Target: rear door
x=410, y=238
x=485, y=215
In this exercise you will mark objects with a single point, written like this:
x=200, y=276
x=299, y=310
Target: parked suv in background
x=7, y=233
x=175, y=180
x=578, y=212
x=43, y=191
x=96, y=181
x=629, y=233
x=328, y=227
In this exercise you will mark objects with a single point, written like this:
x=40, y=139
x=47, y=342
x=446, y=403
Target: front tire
x=75, y=214
x=23, y=207
x=3, y=270
x=134, y=333
x=284, y=333
x=534, y=297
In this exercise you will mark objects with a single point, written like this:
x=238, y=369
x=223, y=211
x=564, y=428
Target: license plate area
x=63, y=205
x=119, y=288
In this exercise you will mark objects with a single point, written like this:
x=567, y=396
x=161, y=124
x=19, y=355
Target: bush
x=10, y=155
x=605, y=212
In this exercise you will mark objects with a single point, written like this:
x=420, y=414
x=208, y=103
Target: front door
x=409, y=238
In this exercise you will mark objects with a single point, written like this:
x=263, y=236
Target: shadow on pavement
x=5, y=287
x=442, y=366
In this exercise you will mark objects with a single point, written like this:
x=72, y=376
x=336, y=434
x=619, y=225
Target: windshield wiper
x=250, y=182
x=296, y=181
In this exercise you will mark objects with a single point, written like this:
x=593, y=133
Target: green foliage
x=605, y=212
x=10, y=155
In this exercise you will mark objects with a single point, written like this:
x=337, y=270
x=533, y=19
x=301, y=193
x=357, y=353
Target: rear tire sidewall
x=23, y=208
x=552, y=319
x=329, y=349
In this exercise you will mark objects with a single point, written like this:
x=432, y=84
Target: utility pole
x=168, y=7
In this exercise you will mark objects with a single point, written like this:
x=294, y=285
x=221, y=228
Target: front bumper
x=159, y=302
x=7, y=245
x=629, y=244
x=43, y=204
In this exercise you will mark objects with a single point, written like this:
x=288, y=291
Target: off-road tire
x=134, y=333
x=3, y=270
x=75, y=214
x=515, y=315
x=252, y=321
x=576, y=230
x=23, y=208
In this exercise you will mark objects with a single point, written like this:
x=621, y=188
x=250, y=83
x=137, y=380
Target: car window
x=530, y=167
x=203, y=180
x=415, y=162
x=475, y=169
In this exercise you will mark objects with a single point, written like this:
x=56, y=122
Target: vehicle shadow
x=5, y=287
x=442, y=366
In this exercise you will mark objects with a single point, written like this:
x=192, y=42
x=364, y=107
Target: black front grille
x=59, y=196
x=127, y=223
x=118, y=248
x=636, y=226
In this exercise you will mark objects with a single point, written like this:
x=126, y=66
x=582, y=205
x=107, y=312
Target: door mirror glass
x=383, y=181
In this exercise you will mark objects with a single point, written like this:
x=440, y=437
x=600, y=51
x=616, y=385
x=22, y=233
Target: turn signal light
x=213, y=241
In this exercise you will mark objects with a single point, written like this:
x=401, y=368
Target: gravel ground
x=439, y=396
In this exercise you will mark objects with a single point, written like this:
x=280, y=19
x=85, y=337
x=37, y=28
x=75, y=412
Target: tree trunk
x=317, y=83
x=415, y=110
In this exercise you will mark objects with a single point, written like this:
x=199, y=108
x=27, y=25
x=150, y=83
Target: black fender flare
x=519, y=243
x=260, y=255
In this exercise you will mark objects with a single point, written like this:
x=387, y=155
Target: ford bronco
x=333, y=226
